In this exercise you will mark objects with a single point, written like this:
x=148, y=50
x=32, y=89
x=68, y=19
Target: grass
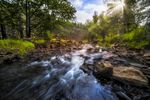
x=134, y=39
x=20, y=46
x=40, y=41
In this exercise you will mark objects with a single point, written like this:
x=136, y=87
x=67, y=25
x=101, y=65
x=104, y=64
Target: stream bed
x=60, y=77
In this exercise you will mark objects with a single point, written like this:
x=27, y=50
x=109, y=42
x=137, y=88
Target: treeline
x=126, y=22
x=23, y=18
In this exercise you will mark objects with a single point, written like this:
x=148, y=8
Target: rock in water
x=130, y=75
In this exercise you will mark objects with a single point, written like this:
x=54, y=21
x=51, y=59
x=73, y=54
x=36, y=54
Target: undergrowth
x=134, y=39
x=19, y=46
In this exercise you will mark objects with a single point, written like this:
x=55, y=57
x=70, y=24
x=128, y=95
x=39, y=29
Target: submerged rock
x=130, y=75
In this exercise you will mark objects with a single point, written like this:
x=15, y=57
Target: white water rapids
x=63, y=79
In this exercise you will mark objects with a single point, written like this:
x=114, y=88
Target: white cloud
x=82, y=16
x=77, y=3
x=85, y=10
x=95, y=7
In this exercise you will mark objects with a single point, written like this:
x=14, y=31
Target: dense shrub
x=134, y=39
x=19, y=46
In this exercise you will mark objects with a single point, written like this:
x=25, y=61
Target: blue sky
x=85, y=9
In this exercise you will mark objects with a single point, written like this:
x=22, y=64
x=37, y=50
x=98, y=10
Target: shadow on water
x=59, y=78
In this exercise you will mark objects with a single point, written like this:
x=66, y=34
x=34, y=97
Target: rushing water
x=62, y=79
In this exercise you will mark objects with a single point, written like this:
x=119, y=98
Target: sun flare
x=116, y=6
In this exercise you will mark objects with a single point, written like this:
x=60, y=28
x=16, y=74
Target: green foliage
x=48, y=35
x=65, y=27
x=122, y=26
x=113, y=38
x=138, y=45
x=135, y=38
x=37, y=16
x=143, y=12
x=39, y=41
x=19, y=46
x=136, y=34
x=99, y=28
x=95, y=17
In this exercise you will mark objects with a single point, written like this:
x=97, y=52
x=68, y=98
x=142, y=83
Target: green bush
x=135, y=35
x=48, y=35
x=113, y=39
x=19, y=46
x=135, y=38
x=138, y=45
x=40, y=41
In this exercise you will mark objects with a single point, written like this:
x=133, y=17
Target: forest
x=46, y=53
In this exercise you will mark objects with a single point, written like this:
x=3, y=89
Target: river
x=60, y=78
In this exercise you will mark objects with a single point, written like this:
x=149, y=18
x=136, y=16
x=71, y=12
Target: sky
x=85, y=9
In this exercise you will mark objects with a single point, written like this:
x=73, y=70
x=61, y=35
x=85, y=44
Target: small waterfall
x=62, y=79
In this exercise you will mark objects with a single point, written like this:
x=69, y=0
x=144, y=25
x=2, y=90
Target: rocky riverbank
x=126, y=72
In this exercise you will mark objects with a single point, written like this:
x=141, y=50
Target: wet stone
x=104, y=69
x=130, y=75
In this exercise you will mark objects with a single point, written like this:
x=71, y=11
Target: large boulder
x=130, y=75
x=104, y=69
x=147, y=54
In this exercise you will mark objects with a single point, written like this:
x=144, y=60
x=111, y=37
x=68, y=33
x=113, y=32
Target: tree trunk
x=20, y=22
x=125, y=17
x=125, y=21
x=28, y=29
x=3, y=31
x=103, y=36
x=20, y=27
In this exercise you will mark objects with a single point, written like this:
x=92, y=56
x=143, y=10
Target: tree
x=100, y=28
x=38, y=16
x=3, y=15
x=28, y=27
x=11, y=17
x=19, y=14
x=104, y=26
x=144, y=17
x=45, y=15
x=123, y=9
x=95, y=17
x=3, y=31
